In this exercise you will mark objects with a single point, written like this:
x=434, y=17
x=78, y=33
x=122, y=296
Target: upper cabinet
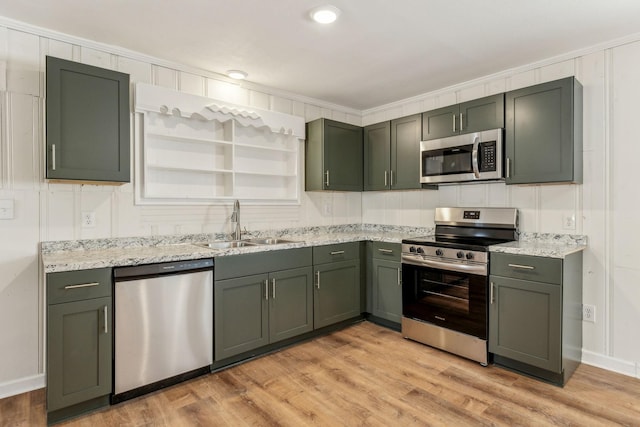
x=544, y=133
x=391, y=154
x=472, y=116
x=87, y=119
x=333, y=156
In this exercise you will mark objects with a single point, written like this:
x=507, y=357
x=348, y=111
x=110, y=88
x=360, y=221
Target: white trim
x=126, y=53
x=506, y=73
x=22, y=385
x=610, y=363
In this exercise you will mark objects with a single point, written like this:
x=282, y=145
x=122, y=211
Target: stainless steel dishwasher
x=163, y=325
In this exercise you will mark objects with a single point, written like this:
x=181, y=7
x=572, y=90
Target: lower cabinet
x=260, y=299
x=386, y=281
x=337, y=283
x=79, y=342
x=535, y=314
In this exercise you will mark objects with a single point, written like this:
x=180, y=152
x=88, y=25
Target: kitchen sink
x=226, y=244
x=270, y=241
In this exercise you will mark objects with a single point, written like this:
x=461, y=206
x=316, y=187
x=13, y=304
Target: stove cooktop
x=478, y=244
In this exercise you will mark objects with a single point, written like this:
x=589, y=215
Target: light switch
x=6, y=209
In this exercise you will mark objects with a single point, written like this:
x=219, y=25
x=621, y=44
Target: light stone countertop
x=544, y=245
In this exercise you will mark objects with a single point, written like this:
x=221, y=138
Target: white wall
x=605, y=205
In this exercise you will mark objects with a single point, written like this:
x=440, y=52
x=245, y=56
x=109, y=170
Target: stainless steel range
x=445, y=279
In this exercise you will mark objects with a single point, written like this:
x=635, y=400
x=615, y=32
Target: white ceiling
x=379, y=51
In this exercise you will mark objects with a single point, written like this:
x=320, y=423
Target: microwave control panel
x=487, y=156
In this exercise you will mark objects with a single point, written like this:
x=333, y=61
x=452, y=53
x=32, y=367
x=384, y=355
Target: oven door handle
x=479, y=269
x=474, y=157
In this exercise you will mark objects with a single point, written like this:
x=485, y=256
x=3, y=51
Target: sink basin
x=226, y=244
x=270, y=241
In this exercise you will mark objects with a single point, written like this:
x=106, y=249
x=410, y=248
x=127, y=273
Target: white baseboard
x=610, y=363
x=22, y=385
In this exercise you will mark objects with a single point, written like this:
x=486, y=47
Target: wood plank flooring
x=363, y=375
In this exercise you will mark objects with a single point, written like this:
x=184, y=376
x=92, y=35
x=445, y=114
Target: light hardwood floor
x=363, y=375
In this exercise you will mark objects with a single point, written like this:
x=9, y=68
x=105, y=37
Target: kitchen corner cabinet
x=337, y=283
x=535, y=314
x=386, y=281
x=392, y=153
x=333, y=156
x=543, y=133
x=471, y=116
x=87, y=123
x=79, y=342
x=261, y=299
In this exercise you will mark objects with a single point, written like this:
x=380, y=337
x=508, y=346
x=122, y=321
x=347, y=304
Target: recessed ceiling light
x=325, y=14
x=237, y=74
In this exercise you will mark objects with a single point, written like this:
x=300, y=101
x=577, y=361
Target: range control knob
x=439, y=252
x=420, y=250
x=469, y=255
x=412, y=249
x=460, y=254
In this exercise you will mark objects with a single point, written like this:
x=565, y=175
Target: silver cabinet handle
x=336, y=253
x=266, y=289
x=53, y=156
x=82, y=285
x=386, y=176
x=391, y=176
x=273, y=288
x=523, y=267
x=454, y=123
x=318, y=280
x=399, y=277
x=385, y=251
x=508, y=167
x=491, y=298
x=461, y=125
x=327, y=177
x=106, y=320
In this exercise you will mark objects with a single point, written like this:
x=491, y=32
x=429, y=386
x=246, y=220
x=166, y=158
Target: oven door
x=453, y=300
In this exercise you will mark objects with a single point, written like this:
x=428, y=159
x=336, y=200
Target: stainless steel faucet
x=235, y=217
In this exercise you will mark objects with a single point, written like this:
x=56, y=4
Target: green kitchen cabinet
x=333, y=156
x=543, y=133
x=535, y=314
x=79, y=342
x=87, y=123
x=392, y=154
x=261, y=299
x=337, y=283
x=386, y=281
x=471, y=116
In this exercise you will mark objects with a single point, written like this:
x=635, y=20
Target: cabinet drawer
x=388, y=251
x=78, y=285
x=228, y=267
x=540, y=269
x=337, y=252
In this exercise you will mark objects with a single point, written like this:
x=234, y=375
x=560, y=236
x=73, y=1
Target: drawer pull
x=386, y=251
x=82, y=285
x=523, y=267
x=336, y=253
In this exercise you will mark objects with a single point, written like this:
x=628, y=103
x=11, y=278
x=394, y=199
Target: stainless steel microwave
x=463, y=158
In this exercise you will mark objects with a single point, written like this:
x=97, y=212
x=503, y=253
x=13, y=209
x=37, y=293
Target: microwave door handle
x=474, y=157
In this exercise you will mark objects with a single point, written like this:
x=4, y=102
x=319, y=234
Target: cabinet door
x=290, y=303
x=87, y=122
x=543, y=133
x=482, y=114
x=440, y=123
x=241, y=315
x=342, y=156
x=79, y=337
x=337, y=292
x=387, y=290
x=377, y=139
x=405, y=153
x=525, y=322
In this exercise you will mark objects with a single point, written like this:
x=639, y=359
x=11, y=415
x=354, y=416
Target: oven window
x=447, y=161
x=448, y=291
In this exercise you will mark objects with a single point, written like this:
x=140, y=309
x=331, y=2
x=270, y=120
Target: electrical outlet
x=6, y=209
x=589, y=313
x=327, y=208
x=88, y=219
x=569, y=221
